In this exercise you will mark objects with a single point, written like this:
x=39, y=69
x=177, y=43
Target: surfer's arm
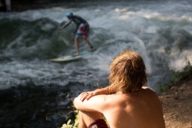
x=87, y=95
x=66, y=24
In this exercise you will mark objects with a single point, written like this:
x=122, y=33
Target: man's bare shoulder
x=117, y=99
x=148, y=91
x=145, y=94
x=147, y=88
x=126, y=98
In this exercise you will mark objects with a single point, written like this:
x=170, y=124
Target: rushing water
x=159, y=30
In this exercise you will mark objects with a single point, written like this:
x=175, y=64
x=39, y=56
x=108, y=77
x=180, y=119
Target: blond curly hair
x=127, y=72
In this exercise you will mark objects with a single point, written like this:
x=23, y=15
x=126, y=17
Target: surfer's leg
x=89, y=43
x=77, y=44
x=85, y=35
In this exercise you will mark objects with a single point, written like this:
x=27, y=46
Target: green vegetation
x=71, y=123
x=177, y=77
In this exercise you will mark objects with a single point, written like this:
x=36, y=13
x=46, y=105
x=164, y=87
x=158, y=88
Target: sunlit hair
x=127, y=72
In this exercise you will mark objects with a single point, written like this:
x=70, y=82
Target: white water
x=141, y=26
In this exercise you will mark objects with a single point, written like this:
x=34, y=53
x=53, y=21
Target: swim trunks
x=100, y=123
x=83, y=30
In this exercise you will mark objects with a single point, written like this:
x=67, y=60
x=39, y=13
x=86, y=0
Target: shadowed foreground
x=177, y=104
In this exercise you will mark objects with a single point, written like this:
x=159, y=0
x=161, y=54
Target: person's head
x=127, y=72
x=69, y=15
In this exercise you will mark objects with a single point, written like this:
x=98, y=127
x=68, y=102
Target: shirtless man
x=82, y=30
x=126, y=102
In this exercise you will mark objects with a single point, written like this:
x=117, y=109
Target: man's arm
x=66, y=24
x=87, y=95
x=97, y=103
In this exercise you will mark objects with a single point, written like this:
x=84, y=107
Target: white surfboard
x=67, y=58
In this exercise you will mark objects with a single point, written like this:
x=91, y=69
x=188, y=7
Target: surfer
x=82, y=30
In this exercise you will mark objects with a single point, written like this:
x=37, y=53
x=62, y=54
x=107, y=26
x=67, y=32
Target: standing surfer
x=82, y=30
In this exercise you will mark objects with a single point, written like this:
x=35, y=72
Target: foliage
x=178, y=76
x=71, y=124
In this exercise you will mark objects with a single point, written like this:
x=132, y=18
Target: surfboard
x=67, y=58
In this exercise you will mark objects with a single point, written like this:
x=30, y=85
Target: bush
x=71, y=123
x=178, y=77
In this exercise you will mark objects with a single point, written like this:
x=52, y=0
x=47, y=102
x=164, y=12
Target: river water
x=159, y=30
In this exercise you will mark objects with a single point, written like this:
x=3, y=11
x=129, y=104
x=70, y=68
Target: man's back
x=136, y=110
x=129, y=105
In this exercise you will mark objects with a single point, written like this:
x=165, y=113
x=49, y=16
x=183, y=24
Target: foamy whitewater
x=159, y=30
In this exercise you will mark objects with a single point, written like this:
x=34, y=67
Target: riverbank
x=34, y=106
x=177, y=104
x=51, y=106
